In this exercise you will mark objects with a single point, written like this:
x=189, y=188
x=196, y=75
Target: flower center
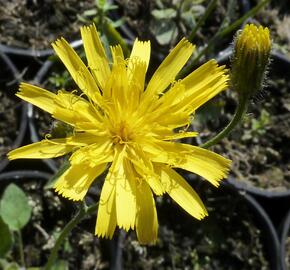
x=122, y=133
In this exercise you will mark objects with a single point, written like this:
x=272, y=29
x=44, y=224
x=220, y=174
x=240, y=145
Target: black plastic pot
x=32, y=52
x=22, y=114
x=258, y=191
x=285, y=233
x=180, y=227
x=13, y=176
x=268, y=231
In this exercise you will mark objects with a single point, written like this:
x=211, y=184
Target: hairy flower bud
x=252, y=47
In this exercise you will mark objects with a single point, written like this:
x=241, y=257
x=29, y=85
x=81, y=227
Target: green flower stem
x=83, y=211
x=207, y=12
x=115, y=38
x=20, y=246
x=240, y=111
x=220, y=34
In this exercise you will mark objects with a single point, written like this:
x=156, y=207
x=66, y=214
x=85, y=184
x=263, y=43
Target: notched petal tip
x=185, y=42
x=223, y=173
x=58, y=43
x=11, y=155
x=104, y=235
x=202, y=215
x=68, y=194
x=149, y=242
x=88, y=28
x=23, y=85
x=218, y=68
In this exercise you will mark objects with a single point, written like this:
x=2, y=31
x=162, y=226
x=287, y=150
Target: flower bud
x=252, y=47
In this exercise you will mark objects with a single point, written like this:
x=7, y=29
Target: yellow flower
x=130, y=131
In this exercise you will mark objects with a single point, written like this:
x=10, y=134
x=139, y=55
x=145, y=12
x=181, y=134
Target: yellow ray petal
x=106, y=219
x=180, y=135
x=73, y=109
x=100, y=151
x=205, y=163
x=43, y=149
x=203, y=84
x=181, y=192
x=76, y=181
x=125, y=196
x=189, y=94
x=211, y=91
x=141, y=50
x=119, y=80
x=173, y=96
x=107, y=216
x=201, y=75
x=95, y=53
x=117, y=54
x=37, y=96
x=169, y=68
x=64, y=106
x=50, y=148
x=174, y=120
x=146, y=218
x=136, y=78
x=136, y=73
x=77, y=69
x=145, y=169
x=81, y=139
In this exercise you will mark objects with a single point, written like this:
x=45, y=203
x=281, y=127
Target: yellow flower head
x=254, y=39
x=123, y=125
x=252, y=49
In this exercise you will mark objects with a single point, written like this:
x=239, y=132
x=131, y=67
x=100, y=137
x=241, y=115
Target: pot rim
x=284, y=234
x=270, y=236
x=19, y=174
x=35, y=53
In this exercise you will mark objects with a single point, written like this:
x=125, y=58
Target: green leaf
x=14, y=208
x=118, y=23
x=167, y=13
x=164, y=31
x=12, y=266
x=90, y=12
x=60, y=265
x=101, y=3
x=6, y=238
x=107, y=7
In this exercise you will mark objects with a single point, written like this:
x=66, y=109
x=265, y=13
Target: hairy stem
x=83, y=211
x=240, y=111
x=20, y=246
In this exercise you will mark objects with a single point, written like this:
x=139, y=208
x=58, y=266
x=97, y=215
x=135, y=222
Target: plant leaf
x=14, y=208
x=6, y=238
x=164, y=31
x=60, y=265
